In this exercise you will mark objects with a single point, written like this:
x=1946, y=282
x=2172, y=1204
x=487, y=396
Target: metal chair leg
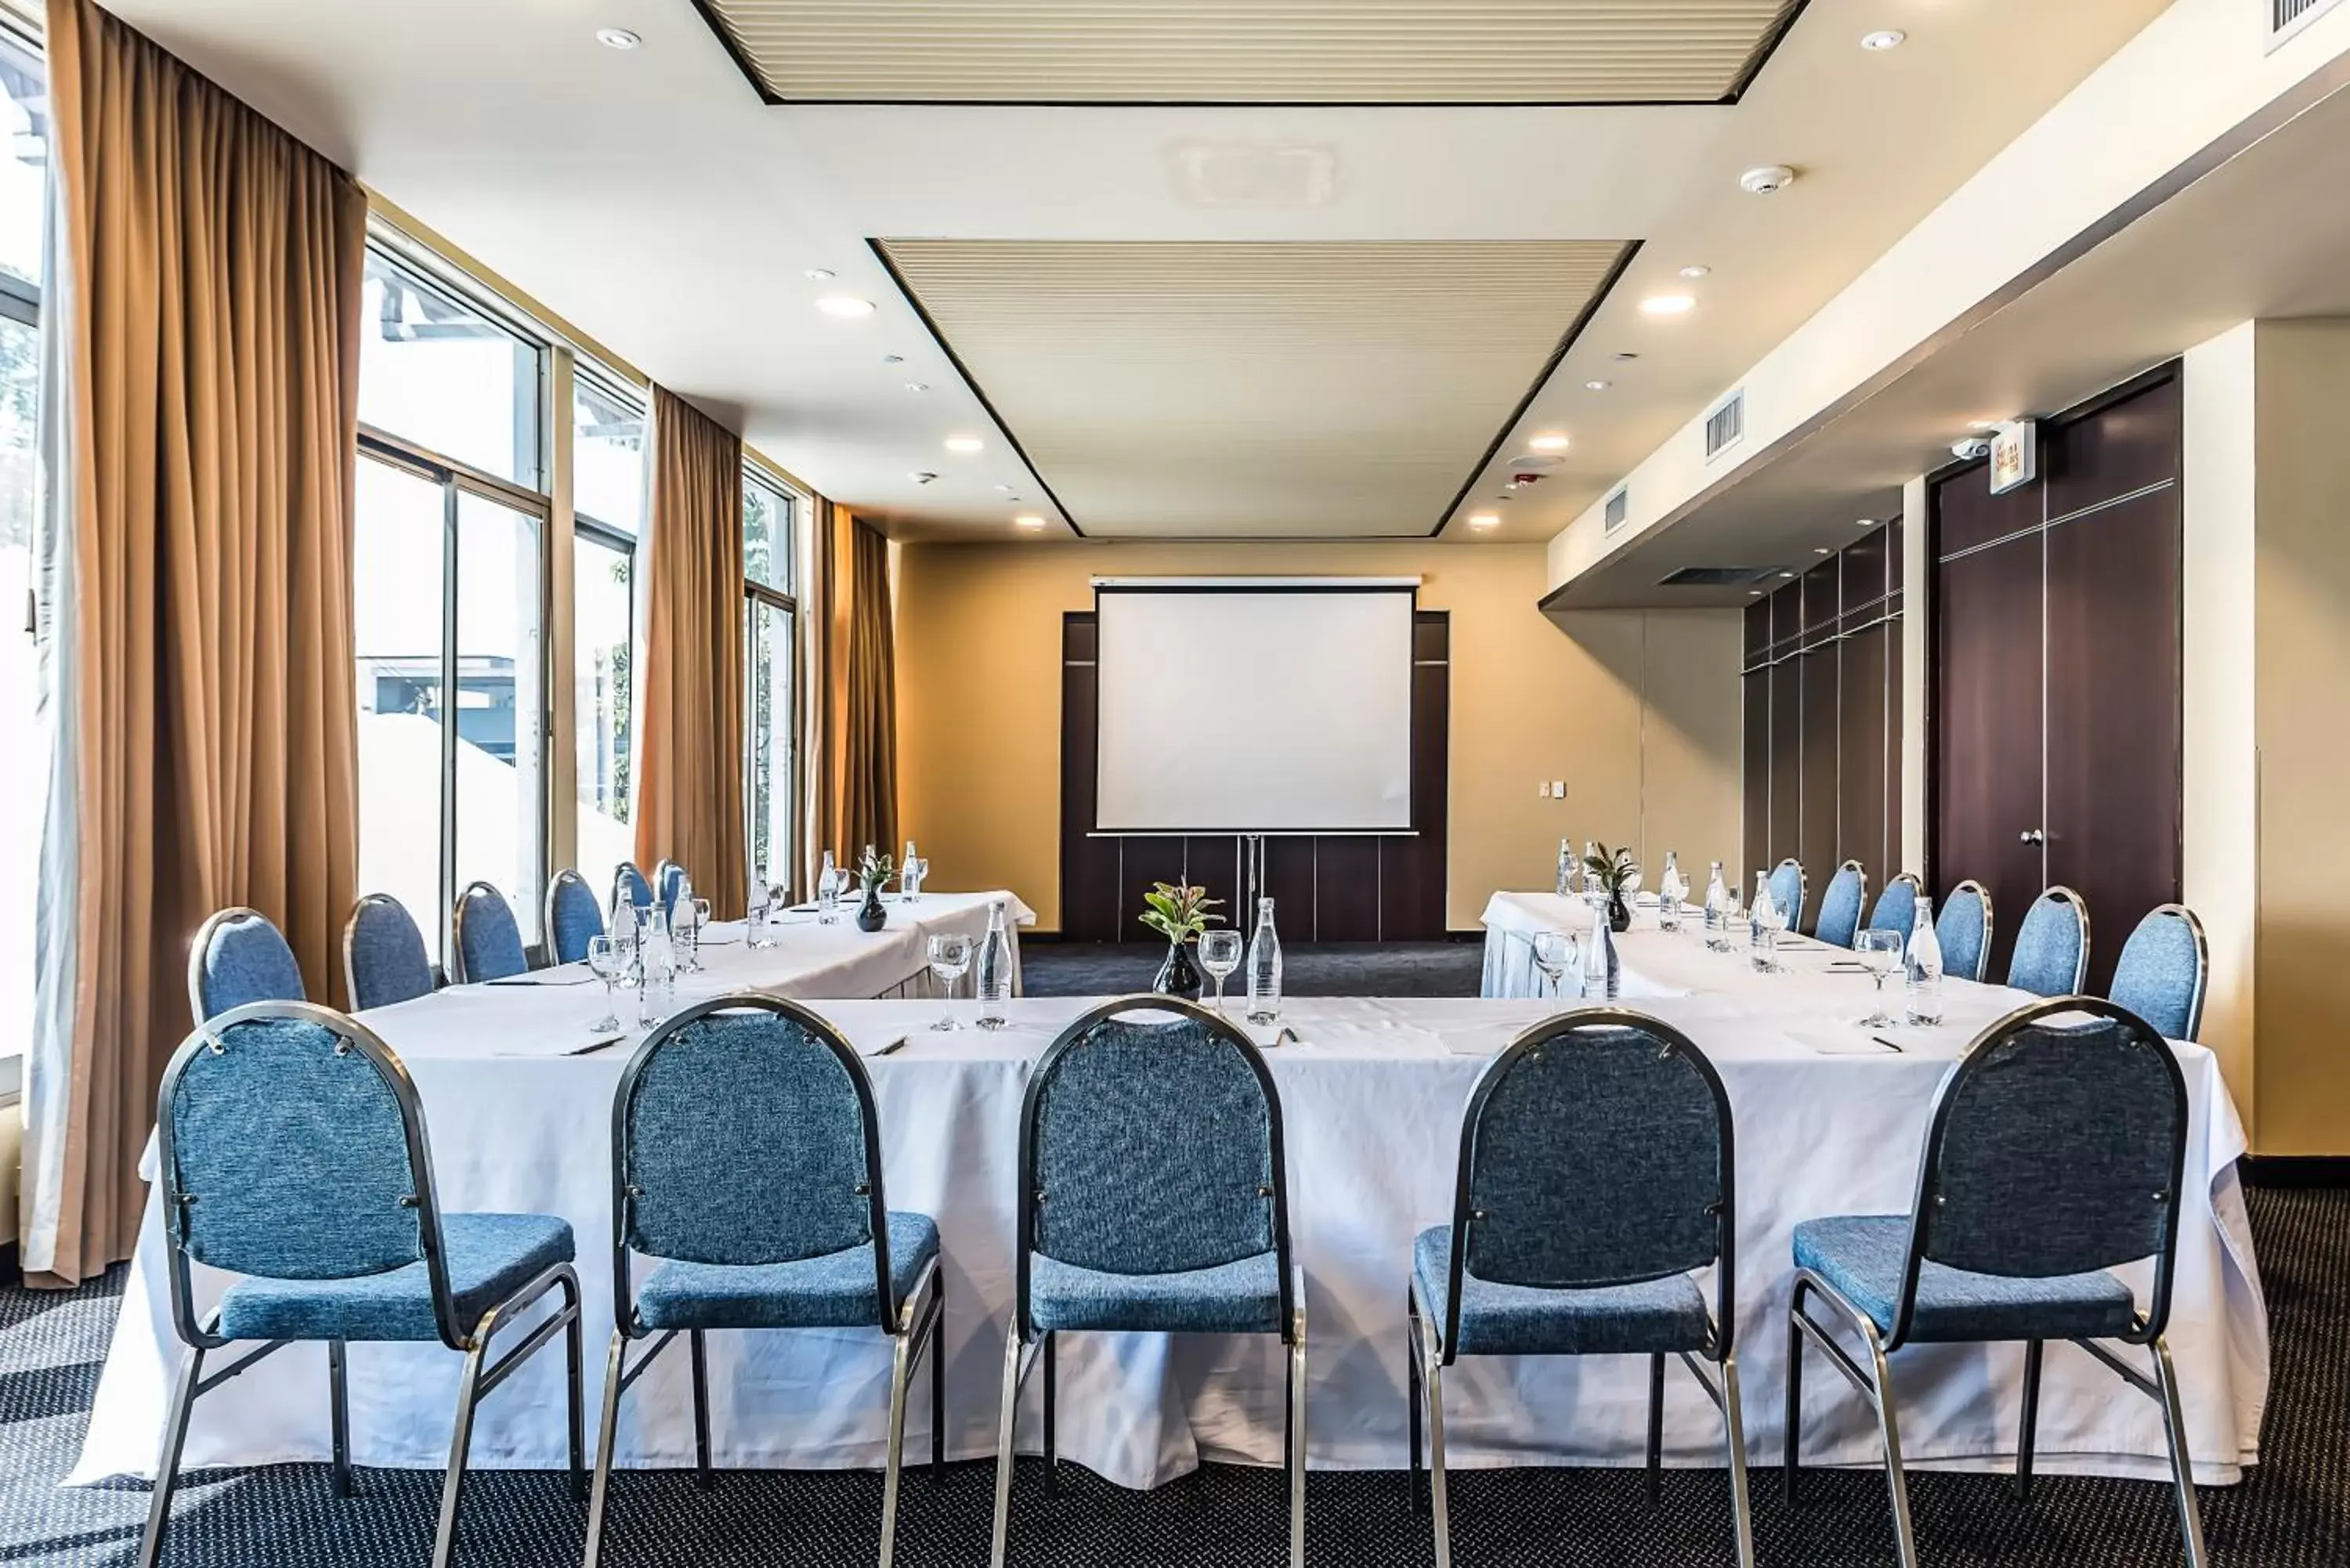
x=2031, y=1354
x=1733, y=1421
x=938, y=1348
x=575, y=1359
x=1051, y=1354
x=1296, y=1436
x=1428, y=1358
x=900, y=1369
x=1792, y=1440
x=1411, y=1385
x=461, y=1442
x=338, y=1414
x=1656, y=1426
x=606, y=1433
x=2182, y=1465
x=1905, y=1539
x=701, y=1473
x=1004, y=1425
x=167, y=1466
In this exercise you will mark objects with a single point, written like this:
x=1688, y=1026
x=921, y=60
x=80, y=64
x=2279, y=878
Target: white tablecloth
x=1372, y=1097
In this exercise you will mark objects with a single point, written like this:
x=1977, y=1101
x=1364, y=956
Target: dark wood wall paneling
x=1822, y=685
x=1330, y=888
x=2059, y=677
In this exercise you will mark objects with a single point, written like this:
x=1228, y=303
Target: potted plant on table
x=873, y=873
x=1614, y=874
x=1180, y=914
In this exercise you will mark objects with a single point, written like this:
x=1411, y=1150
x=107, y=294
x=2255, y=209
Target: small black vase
x=1179, y=976
x=1619, y=913
x=870, y=915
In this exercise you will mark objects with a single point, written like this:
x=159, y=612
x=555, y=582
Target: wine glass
x=949, y=959
x=607, y=959
x=1880, y=954
x=1219, y=954
x=1554, y=955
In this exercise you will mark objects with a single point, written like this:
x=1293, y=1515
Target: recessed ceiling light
x=617, y=39
x=1884, y=38
x=1786, y=573
x=918, y=386
x=965, y=444
x=1822, y=550
x=893, y=359
x=1754, y=593
x=1697, y=272
x=821, y=274
x=921, y=476
x=1864, y=522
x=845, y=305
x=1669, y=304
x=1596, y=386
x=1028, y=520
x=1485, y=520
x=1551, y=441
x=1626, y=354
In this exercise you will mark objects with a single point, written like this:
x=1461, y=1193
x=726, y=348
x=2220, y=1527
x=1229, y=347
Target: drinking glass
x=1219, y=954
x=1554, y=955
x=700, y=924
x=1880, y=954
x=909, y=878
x=607, y=959
x=949, y=959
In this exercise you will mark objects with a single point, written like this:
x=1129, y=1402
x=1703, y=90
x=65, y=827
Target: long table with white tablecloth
x=1371, y=1093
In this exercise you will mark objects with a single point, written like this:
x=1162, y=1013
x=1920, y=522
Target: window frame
x=798, y=505
x=21, y=302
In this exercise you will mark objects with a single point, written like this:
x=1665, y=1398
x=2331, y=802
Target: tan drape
x=212, y=308
x=690, y=759
x=859, y=757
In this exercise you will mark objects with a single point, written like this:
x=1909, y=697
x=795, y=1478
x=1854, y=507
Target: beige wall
x=1636, y=712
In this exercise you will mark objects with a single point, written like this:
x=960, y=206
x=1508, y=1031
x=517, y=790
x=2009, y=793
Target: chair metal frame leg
x=1429, y=1358
x=1791, y=1431
x=703, y=1477
x=1727, y=1399
x=2163, y=1390
x=1014, y=1355
x=1051, y=1353
x=616, y=1382
x=1874, y=1383
x=1411, y=1387
x=939, y=1385
x=900, y=1369
x=1656, y=1452
x=461, y=1443
x=2029, y=1430
x=338, y=1414
x=167, y=1466
x=1296, y=1435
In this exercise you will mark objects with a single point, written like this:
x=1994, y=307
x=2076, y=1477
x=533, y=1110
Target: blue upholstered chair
x=1597, y=1172
x=1153, y=1199
x=384, y=959
x=1963, y=929
x=667, y=877
x=1840, y=906
x=746, y=1163
x=573, y=917
x=2051, y=945
x=292, y=1153
x=2054, y=1154
x=488, y=944
x=629, y=883
x=240, y=957
x=1896, y=908
x=1787, y=891
x=2164, y=969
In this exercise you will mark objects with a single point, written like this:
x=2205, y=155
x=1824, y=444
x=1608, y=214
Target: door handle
x=2032, y=835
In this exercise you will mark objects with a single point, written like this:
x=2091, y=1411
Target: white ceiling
x=652, y=200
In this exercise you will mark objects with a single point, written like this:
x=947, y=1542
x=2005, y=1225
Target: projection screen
x=1280, y=707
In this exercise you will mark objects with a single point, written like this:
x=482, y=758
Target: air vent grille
x=2287, y=17
x=1726, y=423
x=1619, y=507
x=1714, y=577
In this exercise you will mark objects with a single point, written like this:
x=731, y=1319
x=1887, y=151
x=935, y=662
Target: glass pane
x=25, y=161
x=767, y=535
x=607, y=457
x=601, y=603
x=500, y=743
x=436, y=371
x=25, y=781
x=772, y=816
x=397, y=555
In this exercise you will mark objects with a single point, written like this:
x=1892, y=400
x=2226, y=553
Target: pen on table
x=1889, y=1044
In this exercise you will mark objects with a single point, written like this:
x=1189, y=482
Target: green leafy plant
x=1179, y=913
x=1614, y=872
x=875, y=870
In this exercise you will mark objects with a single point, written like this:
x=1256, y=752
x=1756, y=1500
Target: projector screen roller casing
x=1254, y=709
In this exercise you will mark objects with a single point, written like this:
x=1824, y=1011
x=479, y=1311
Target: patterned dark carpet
x=2293, y=1512
x=1326, y=968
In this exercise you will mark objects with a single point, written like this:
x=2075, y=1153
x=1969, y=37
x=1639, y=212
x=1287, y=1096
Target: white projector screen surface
x=1254, y=711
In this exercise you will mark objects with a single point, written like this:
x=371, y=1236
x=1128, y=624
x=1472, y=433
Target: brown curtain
x=690, y=761
x=210, y=309
x=859, y=755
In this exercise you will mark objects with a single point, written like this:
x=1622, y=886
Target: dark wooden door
x=1817, y=846
x=1862, y=775
x=1786, y=772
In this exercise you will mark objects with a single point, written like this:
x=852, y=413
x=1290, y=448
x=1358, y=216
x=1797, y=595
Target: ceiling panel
x=1234, y=388
x=1250, y=51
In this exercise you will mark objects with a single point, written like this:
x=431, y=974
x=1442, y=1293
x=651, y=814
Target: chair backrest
x=1787, y=891
x=384, y=959
x=744, y=1133
x=2051, y=945
x=240, y=957
x=1596, y=1150
x=2164, y=969
x=2057, y=1147
x=629, y=883
x=573, y=916
x=667, y=877
x=291, y=1146
x=1840, y=906
x=1151, y=1146
x=1963, y=930
x=1896, y=908
x=488, y=943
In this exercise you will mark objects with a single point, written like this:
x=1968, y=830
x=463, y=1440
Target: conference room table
x=1371, y=1095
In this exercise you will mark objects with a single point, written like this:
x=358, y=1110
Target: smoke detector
x=1767, y=179
x=920, y=477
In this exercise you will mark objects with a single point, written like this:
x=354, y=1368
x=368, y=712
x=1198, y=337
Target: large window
x=440, y=373
x=607, y=497
x=24, y=185
x=770, y=515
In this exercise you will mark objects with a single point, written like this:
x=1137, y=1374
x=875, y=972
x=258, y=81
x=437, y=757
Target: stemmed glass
x=1880, y=954
x=607, y=959
x=1219, y=954
x=949, y=959
x=1554, y=954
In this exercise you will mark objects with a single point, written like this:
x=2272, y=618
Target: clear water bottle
x=827, y=892
x=754, y=912
x=1764, y=922
x=1717, y=911
x=990, y=969
x=624, y=922
x=1602, y=972
x=1922, y=965
x=1264, y=969
x=1670, y=891
x=1565, y=868
x=656, y=969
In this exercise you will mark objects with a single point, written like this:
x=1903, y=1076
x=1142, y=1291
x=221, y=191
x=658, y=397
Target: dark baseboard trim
x=10, y=1258
x=2295, y=1170
x=1476, y=936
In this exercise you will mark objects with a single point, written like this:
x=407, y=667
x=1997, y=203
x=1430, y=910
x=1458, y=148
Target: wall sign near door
x=2014, y=455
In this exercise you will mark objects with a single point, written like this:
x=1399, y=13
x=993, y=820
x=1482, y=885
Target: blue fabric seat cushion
x=489, y=1256
x=836, y=1290
x=1650, y=1318
x=1862, y=1257
x=1240, y=1297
